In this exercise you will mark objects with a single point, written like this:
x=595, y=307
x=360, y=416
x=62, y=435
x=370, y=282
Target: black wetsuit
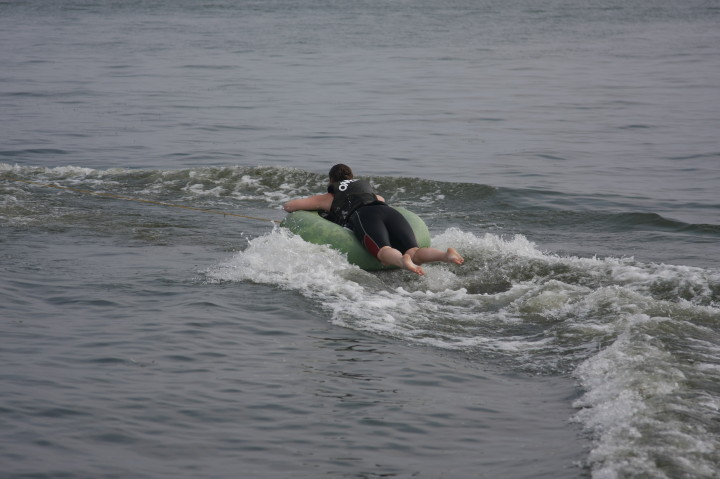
x=375, y=224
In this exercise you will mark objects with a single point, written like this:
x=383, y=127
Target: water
x=568, y=149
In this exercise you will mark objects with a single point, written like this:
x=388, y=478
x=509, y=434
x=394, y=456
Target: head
x=340, y=172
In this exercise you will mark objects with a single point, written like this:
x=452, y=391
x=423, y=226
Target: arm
x=311, y=203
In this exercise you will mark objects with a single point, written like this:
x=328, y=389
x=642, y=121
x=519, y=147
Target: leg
x=389, y=256
x=402, y=237
x=430, y=255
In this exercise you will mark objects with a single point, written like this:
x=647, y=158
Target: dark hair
x=340, y=172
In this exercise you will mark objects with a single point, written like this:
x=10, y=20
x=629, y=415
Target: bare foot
x=410, y=266
x=452, y=256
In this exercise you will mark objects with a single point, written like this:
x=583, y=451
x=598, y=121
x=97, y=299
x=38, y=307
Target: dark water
x=569, y=150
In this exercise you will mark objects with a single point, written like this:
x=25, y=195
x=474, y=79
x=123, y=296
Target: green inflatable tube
x=315, y=229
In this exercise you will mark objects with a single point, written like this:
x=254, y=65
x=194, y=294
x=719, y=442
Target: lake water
x=568, y=149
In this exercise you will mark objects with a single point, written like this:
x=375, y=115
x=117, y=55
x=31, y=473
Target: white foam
x=73, y=171
x=435, y=309
x=636, y=407
x=283, y=259
x=465, y=241
x=198, y=189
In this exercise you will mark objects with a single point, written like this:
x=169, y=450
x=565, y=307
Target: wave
x=641, y=339
x=274, y=185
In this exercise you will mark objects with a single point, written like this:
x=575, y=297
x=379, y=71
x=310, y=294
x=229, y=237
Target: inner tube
x=313, y=228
